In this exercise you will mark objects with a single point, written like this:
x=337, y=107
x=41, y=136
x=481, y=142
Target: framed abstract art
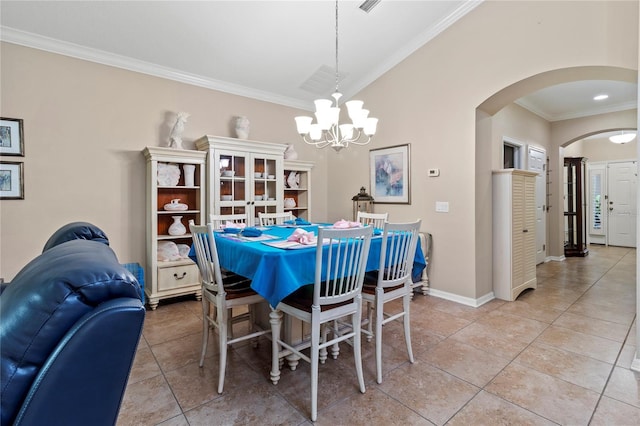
x=389, y=174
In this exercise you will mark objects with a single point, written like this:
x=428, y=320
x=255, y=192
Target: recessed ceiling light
x=600, y=97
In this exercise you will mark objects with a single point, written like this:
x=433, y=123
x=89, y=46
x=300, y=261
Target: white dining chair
x=376, y=220
x=341, y=257
x=391, y=281
x=221, y=294
x=268, y=219
x=218, y=220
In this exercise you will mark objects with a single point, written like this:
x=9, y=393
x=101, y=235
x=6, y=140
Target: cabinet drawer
x=178, y=276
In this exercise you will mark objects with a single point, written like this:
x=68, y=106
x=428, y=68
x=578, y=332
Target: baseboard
x=554, y=259
x=461, y=299
x=635, y=364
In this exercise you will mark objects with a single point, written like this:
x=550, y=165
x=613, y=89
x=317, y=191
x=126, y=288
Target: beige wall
x=430, y=101
x=85, y=125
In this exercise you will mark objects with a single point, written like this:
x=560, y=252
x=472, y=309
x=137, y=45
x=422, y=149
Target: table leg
x=275, y=319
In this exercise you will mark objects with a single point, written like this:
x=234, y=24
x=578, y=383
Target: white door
x=621, y=205
x=537, y=162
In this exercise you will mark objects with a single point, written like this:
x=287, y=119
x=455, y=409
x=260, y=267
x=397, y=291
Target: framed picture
x=11, y=181
x=389, y=175
x=11, y=137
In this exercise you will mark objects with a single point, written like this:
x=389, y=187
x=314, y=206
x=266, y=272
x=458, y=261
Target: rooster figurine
x=175, y=139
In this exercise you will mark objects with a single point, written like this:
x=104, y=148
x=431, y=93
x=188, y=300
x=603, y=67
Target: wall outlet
x=434, y=172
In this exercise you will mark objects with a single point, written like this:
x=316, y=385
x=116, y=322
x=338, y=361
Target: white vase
x=242, y=127
x=177, y=228
x=189, y=172
x=176, y=205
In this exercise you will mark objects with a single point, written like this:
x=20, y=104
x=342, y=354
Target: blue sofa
x=70, y=322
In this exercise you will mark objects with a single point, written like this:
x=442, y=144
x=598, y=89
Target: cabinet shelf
x=252, y=163
x=178, y=212
x=174, y=278
x=173, y=237
x=302, y=194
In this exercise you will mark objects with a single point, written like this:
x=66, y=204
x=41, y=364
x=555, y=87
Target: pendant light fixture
x=623, y=137
x=327, y=131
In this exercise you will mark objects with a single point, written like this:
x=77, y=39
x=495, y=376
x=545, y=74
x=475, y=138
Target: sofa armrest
x=84, y=379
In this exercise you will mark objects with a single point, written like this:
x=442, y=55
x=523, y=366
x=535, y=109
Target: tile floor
x=558, y=355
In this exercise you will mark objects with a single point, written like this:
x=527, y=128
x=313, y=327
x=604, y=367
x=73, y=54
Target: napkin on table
x=297, y=221
x=229, y=224
x=251, y=232
x=344, y=224
x=303, y=237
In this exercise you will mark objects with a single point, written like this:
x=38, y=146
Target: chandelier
x=623, y=137
x=327, y=131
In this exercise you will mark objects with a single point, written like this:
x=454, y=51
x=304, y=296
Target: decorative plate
x=168, y=174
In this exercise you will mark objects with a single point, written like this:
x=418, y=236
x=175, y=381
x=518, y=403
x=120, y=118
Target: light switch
x=434, y=172
x=442, y=206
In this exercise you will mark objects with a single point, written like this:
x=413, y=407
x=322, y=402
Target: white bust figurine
x=175, y=139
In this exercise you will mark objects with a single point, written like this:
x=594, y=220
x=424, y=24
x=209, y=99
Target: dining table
x=278, y=267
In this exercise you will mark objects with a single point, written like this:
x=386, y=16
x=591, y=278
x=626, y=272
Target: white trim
x=635, y=364
x=555, y=259
x=461, y=299
x=35, y=41
x=521, y=151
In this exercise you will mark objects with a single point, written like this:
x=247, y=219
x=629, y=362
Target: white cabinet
x=514, y=232
x=297, y=187
x=243, y=176
x=174, y=277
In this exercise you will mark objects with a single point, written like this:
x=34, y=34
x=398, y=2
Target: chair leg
x=335, y=348
x=406, y=301
x=205, y=329
x=369, y=321
x=323, y=350
x=378, y=334
x=229, y=323
x=357, y=350
x=223, y=314
x=275, y=319
x=252, y=326
x=315, y=353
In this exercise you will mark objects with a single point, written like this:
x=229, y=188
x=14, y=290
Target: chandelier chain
x=337, y=72
x=327, y=131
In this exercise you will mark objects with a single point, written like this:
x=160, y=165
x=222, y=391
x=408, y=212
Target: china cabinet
x=514, y=232
x=297, y=188
x=175, y=195
x=575, y=207
x=243, y=176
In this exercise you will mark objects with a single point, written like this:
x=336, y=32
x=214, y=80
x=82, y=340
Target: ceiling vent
x=368, y=5
x=322, y=82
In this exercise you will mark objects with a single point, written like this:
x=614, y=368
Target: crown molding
x=27, y=39
x=413, y=45
x=593, y=111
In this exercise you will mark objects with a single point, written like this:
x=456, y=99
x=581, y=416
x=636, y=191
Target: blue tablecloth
x=276, y=272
